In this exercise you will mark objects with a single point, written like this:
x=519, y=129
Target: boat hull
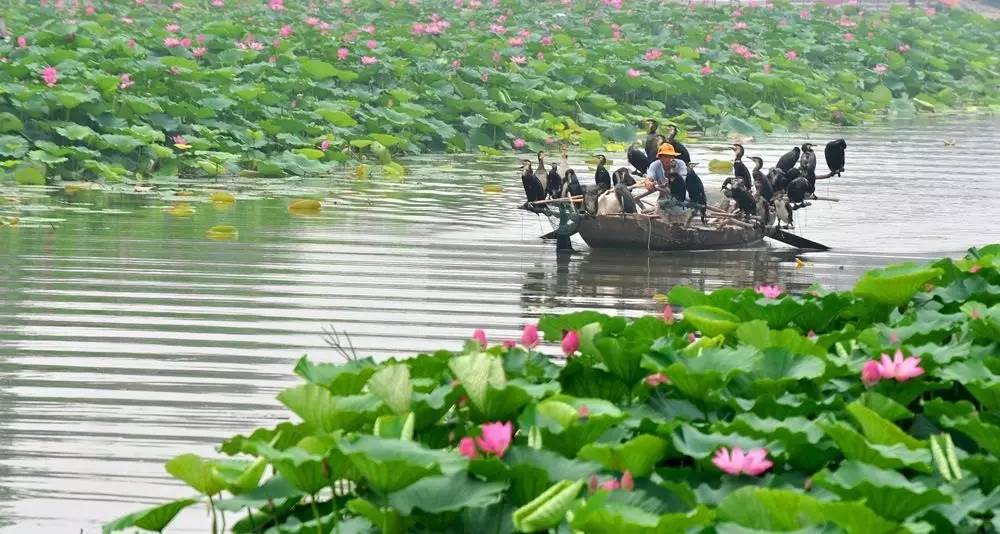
x=643, y=233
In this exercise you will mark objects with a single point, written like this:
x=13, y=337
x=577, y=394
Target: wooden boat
x=642, y=232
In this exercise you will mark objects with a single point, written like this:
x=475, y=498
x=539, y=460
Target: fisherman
x=667, y=171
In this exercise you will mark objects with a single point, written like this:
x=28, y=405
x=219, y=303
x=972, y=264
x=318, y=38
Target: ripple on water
x=127, y=337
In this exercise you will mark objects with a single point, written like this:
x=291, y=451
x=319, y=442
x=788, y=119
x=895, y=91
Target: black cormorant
x=739, y=168
x=777, y=179
x=807, y=164
x=533, y=189
x=637, y=158
x=834, y=153
x=602, y=177
x=622, y=175
x=678, y=189
x=696, y=190
x=798, y=189
x=652, y=143
x=572, y=186
x=684, y=156
x=789, y=159
x=623, y=194
x=760, y=182
x=744, y=200
x=553, y=182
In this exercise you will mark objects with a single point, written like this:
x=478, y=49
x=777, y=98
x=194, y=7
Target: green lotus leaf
x=896, y=284
x=599, y=516
x=337, y=117
x=10, y=123
x=390, y=465
x=155, y=518
x=439, y=494
x=638, y=455
x=888, y=493
x=711, y=321
x=395, y=426
x=275, y=489
x=765, y=509
x=201, y=474
x=13, y=146
x=882, y=431
x=854, y=446
x=346, y=379
x=476, y=373
x=392, y=385
x=327, y=412
x=30, y=175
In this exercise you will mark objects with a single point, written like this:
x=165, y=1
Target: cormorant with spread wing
x=684, y=156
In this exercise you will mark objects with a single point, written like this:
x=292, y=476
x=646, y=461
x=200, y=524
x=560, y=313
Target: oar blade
x=794, y=240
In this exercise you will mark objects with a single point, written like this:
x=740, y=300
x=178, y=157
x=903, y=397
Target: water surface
x=128, y=337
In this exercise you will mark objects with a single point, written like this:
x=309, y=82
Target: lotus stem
x=315, y=509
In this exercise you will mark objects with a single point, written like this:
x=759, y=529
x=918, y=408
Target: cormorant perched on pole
x=798, y=189
x=739, y=168
x=652, y=143
x=835, y=158
x=533, y=189
x=571, y=186
x=807, y=165
x=602, y=177
x=553, y=182
x=789, y=160
x=696, y=190
x=760, y=182
x=744, y=200
x=684, y=156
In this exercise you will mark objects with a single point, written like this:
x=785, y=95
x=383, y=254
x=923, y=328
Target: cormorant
x=744, y=200
x=807, y=164
x=571, y=186
x=778, y=180
x=685, y=156
x=789, y=159
x=622, y=175
x=783, y=210
x=652, y=143
x=739, y=168
x=678, y=189
x=696, y=190
x=602, y=177
x=798, y=189
x=553, y=182
x=533, y=189
x=541, y=168
x=637, y=158
x=624, y=196
x=760, y=182
x=834, y=153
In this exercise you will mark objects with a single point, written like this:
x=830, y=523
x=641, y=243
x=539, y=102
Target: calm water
x=127, y=336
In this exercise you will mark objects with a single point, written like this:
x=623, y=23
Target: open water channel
x=128, y=337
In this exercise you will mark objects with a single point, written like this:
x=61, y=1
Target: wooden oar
x=557, y=200
x=794, y=240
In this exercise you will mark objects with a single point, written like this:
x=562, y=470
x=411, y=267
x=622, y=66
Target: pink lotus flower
x=871, y=373
x=769, y=291
x=480, y=336
x=546, y=40
x=899, y=367
x=518, y=60
x=179, y=139
x=90, y=10
x=804, y=14
x=22, y=42
x=668, y=314
x=126, y=82
x=324, y=145
x=633, y=73
x=186, y=42
x=930, y=11
x=516, y=41
x=616, y=35
x=570, y=343
x=791, y=55
x=610, y=485
x=200, y=39
x=177, y=6
x=848, y=37
x=368, y=60
x=975, y=269
x=583, y=412
x=496, y=438
x=509, y=344
x=740, y=26
x=656, y=380
x=455, y=64
x=286, y=31
x=498, y=29
x=653, y=54
x=218, y=3
x=467, y=447
x=628, y=483
x=369, y=29
x=880, y=68
x=752, y=463
x=497, y=57
x=706, y=70
x=736, y=14
x=372, y=44
x=342, y=53
x=529, y=336
x=276, y=5
x=50, y=76
x=903, y=48
x=312, y=21
x=171, y=42
x=172, y=28
x=198, y=52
